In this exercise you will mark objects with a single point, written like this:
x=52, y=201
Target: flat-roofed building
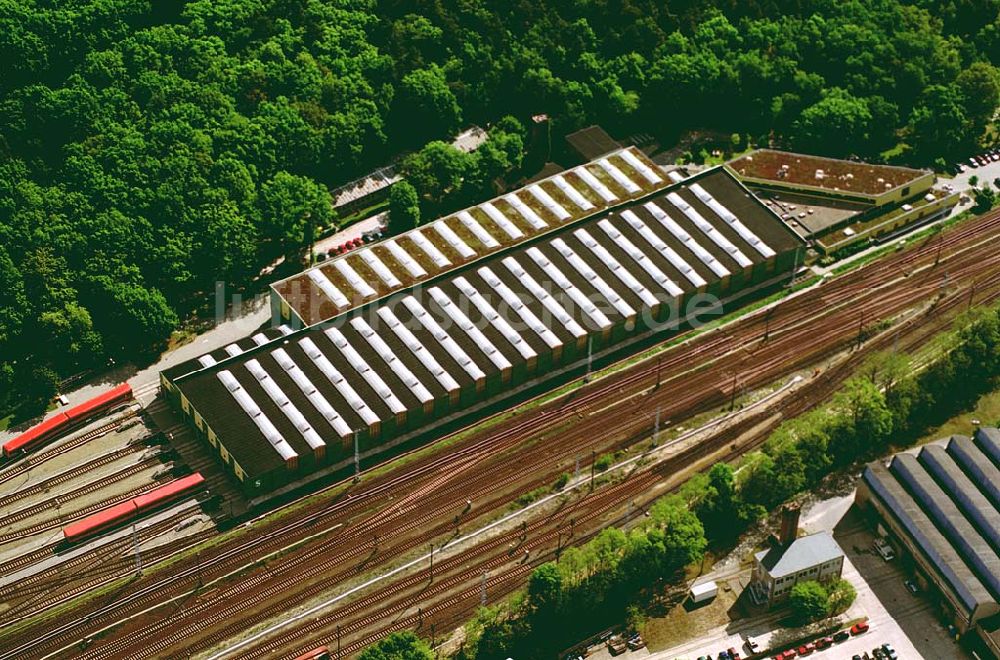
x=942, y=508
x=520, y=312
x=835, y=202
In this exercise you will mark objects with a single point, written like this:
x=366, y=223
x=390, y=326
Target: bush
x=842, y=595
x=603, y=462
x=809, y=601
x=561, y=481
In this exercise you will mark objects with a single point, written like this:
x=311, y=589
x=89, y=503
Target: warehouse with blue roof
x=942, y=508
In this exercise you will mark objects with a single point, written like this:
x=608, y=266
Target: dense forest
x=150, y=149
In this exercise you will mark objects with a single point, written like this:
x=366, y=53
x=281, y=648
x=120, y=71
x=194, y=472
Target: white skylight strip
x=574, y=195
x=450, y=346
x=246, y=402
x=515, y=303
x=689, y=242
x=526, y=212
x=328, y=288
x=274, y=391
x=430, y=249
x=402, y=372
x=379, y=268
x=344, y=388
x=419, y=350
x=403, y=257
x=705, y=227
x=285, y=330
x=596, y=184
x=453, y=240
x=365, y=371
x=260, y=339
x=318, y=401
x=498, y=322
x=577, y=296
x=675, y=176
x=640, y=258
x=467, y=326
x=477, y=230
x=628, y=184
x=639, y=166
x=550, y=303
x=502, y=221
x=546, y=199
x=207, y=360
x=745, y=232
x=356, y=281
x=665, y=250
x=233, y=350
x=593, y=278
x=622, y=273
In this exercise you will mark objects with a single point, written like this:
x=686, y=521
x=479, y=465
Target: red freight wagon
x=64, y=421
x=322, y=653
x=35, y=434
x=103, y=519
x=136, y=506
x=168, y=492
x=101, y=402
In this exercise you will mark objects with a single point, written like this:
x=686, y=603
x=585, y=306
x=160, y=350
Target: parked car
x=856, y=656
x=973, y=162
x=806, y=649
x=841, y=636
x=912, y=586
x=635, y=642
x=617, y=645
x=860, y=627
x=823, y=642
x=733, y=654
x=889, y=651
x=752, y=644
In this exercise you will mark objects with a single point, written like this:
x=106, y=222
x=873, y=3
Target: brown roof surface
x=835, y=175
x=592, y=142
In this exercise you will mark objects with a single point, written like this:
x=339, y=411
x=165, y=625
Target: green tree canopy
x=809, y=601
x=398, y=646
x=404, y=207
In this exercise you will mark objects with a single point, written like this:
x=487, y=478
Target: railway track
x=62, y=519
x=68, y=579
x=394, y=600
x=63, y=477
x=541, y=424
x=33, y=460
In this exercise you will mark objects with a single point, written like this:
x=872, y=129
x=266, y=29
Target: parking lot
x=910, y=619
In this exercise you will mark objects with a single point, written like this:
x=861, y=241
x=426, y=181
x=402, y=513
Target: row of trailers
x=62, y=423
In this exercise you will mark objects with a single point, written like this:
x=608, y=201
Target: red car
x=785, y=655
x=859, y=628
x=824, y=642
x=806, y=649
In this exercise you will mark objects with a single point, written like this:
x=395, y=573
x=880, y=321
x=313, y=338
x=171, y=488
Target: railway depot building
x=836, y=203
x=941, y=508
x=420, y=329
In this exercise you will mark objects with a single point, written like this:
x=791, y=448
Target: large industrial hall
x=283, y=403
x=942, y=508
